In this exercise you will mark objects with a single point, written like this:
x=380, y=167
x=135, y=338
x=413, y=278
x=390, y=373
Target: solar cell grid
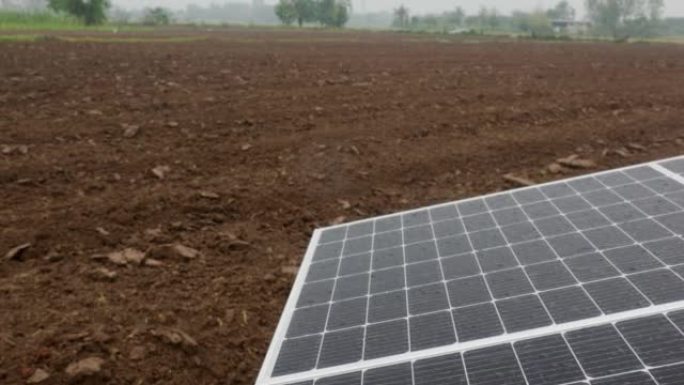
x=648, y=350
x=486, y=268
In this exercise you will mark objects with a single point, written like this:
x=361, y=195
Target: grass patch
x=131, y=40
x=50, y=21
x=18, y=38
x=665, y=39
x=10, y=20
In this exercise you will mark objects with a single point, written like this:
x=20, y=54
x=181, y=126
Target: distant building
x=570, y=27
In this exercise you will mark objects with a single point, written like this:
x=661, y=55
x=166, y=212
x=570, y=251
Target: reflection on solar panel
x=573, y=282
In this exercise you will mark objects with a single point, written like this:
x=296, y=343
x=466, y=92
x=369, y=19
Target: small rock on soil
x=38, y=376
x=85, y=368
x=17, y=252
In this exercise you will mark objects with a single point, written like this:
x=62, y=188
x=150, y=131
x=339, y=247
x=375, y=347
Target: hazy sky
x=673, y=7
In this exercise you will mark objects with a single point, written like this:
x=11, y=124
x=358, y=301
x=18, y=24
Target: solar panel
x=532, y=286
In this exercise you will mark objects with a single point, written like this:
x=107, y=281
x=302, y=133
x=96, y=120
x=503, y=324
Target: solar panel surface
x=510, y=272
x=640, y=351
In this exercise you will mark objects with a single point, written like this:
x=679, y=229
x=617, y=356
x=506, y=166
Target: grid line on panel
x=657, y=194
x=574, y=356
x=608, y=259
x=413, y=374
x=330, y=302
x=635, y=242
x=664, y=312
x=533, y=264
x=368, y=300
x=593, y=208
x=519, y=362
x=465, y=369
x=537, y=292
x=572, y=272
x=660, y=166
x=668, y=317
x=526, y=370
x=444, y=281
x=654, y=165
x=666, y=237
x=408, y=309
x=517, y=296
x=631, y=348
x=489, y=289
x=557, y=288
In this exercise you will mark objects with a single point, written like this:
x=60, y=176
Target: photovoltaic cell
x=450, y=276
x=477, y=322
x=494, y=366
x=431, y=330
x=602, y=351
x=548, y=361
x=440, y=370
x=669, y=375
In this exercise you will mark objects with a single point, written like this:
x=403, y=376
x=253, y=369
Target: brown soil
x=266, y=136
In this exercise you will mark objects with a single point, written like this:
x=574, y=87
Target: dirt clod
x=130, y=130
x=17, y=253
x=574, y=161
x=174, y=251
x=38, y=376
x=85, y=368
x=126, y=256
x=161, y=171
x=637, y=147
x=104, y=274
x=153, y=263
x=555, y=168
x=175, y=337
x=518, y=180
x=209, y=195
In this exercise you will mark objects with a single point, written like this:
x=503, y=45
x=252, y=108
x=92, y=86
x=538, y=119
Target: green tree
x=330, y=13
x=622, y=19
x=334, y=13
x=402, y=17
x=286, y=12
x=562, y=11
x=157, y=16
x=305, y=10
x=91, y=12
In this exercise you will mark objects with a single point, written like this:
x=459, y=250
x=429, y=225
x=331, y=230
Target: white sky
x=673, y=7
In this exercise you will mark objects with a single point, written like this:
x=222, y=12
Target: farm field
x=237, y=143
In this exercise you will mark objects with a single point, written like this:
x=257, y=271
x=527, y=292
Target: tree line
x=329, y=13
x=622, y=19
x=619, y=19
x=89, y=12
